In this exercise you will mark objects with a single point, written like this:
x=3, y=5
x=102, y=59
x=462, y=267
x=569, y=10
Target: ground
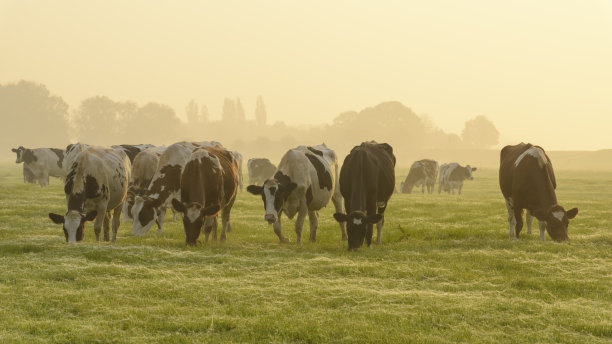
x=446, y=272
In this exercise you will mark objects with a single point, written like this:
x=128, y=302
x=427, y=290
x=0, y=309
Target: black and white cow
x=238, y=158
x=164, y=186
x=422, y=173
x=209, y=183
x=96, y=185
x=367, y=181
x=452, y=176
x=40, y=163
x=305, y=181
x=144, y=167
x=260, y=169
x=132, y=150
x=527, y=181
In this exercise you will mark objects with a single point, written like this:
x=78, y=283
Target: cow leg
x=423, y=188
x=173, y=215
x=529, y=221
x=278, y=230
x=518, y=216
x=379, y=227
x=229, y=207
x=160, y=220
x=99, y=222
x=107, y=216
x=511, y=218
x=313, y=219
x=299, y=222
x=337, y=200
x=225, y=220
x=116, y=222
x=542, y=225
x=45, y=178
x=460, y=187
x=208, y=225
x=214, y=228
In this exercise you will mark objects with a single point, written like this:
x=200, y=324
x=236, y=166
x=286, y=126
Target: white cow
x=40, y=163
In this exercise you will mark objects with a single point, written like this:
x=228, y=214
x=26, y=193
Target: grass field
x=446, y=272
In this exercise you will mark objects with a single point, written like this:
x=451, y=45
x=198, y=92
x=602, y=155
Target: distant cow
x=144, y=167
x=452, y=176
x=209, y=183
x=527, y=181
x=40, y=163
x=96, y=185
x=367, y=181
x=422, y=173
x=305, y=181
x=132, y=150
x=260, y=169
x=238, y=158
x=164, y=186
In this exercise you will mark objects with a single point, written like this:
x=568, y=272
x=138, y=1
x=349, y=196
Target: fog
x=414, y=74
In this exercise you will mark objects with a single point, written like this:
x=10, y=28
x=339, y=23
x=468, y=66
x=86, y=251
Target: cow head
x=19, y=151
x=73, y=223
x=274, y=194
x=557, y=221
x=194, y=216
x=145, y=212
x=468, y=172
x=356, y=224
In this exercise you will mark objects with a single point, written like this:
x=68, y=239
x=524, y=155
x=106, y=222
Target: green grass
x=446, y=272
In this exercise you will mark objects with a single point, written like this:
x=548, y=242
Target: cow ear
x=474, y=169
x=374, y=218
x=56, y=218
x=255, y=189
x=572, y=213
x=210, y=210
x=340, y=217
x=178, y=205
x=14, y=150
x=91, y=215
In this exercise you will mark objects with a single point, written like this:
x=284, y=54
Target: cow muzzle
x=271, y=218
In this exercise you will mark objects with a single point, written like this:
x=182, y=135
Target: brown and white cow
x=422, y=173
x=96, y=185
x=209, y=183
x=527, y=181
x=305, y=181
x=132, y=150
x=260, y=169
x=40, y=163
x=164, y=186
x=367, y=181
x=144, y=167
x=452, y=176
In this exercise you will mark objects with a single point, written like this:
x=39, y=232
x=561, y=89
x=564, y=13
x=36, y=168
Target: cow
x=96, y=185
x=71, y=152
x=452, y=176
x=305, y=181
x=422, y=173
x=132, y=150
x=367, y=181
x=150, y=207
x=527, y=181
x=209, y=183
x=238, y=158
x=260, y=169
x=40, y=163
x=144, y=166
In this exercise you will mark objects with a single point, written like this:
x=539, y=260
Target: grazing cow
x=305, y=181
x=367, y=181
x=422, y=173
x=209, y=183
x=527, y=181
x=260, y=169
x=96, y=185
x=40, y=163
x=452, y=176
x=132, y=150
x=144, y=167
x=164, y=186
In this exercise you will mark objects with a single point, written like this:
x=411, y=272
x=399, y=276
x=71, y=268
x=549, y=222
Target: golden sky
x=540, y=70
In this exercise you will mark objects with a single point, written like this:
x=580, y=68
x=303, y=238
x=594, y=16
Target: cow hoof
x=344, y=238
x=313, y=240
x=284, y=240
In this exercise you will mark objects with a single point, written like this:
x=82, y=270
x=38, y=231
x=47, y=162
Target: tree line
x=34, y=117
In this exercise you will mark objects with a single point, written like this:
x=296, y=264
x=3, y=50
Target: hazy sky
x=540, y=70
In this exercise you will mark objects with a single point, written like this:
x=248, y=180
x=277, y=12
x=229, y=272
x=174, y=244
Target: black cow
x=367, y=181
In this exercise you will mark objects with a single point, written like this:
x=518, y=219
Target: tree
x=228, y=114
x=240, y=116
x=153, y=123
x=192, y=113
x=204, y=114
x=260, y=112
x=32, y=117
x=101, y=121
x=480, y=132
